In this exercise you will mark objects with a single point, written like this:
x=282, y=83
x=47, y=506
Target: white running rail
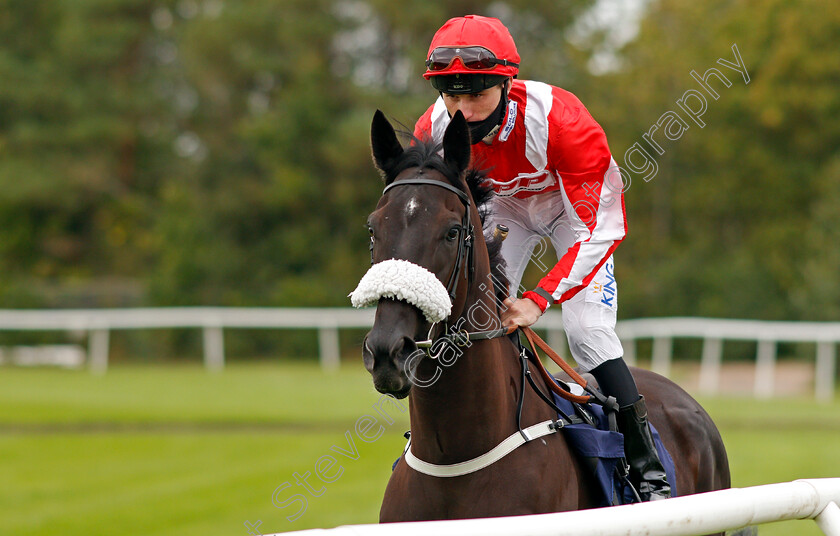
x=97, y=323
x=692, y=515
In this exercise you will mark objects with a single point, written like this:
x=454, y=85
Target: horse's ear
x=456, y=143
x=383, y=141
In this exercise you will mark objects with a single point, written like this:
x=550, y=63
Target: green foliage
x=190, y=153
x=736, y=222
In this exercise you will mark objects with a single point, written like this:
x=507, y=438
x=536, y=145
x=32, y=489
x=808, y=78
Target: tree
x=730, y=224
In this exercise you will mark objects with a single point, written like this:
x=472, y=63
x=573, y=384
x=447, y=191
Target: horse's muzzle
x=386, y=358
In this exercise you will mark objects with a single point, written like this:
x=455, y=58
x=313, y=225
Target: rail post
x=710, y=365
x=829, y=520
x=825, y=370
x=629, y=345
x=98, y=342
x=765, y=369
x=214, y=347
x=661, y=360
x=329, y=351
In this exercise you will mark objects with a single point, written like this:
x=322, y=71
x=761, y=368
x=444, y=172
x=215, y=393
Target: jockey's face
x=474, y=106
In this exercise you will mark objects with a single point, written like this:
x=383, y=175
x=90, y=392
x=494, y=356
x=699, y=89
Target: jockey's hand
x=521, y=313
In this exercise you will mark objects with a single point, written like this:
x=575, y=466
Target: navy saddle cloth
x=601, y=450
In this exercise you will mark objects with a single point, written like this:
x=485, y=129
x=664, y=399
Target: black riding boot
x=646, y=470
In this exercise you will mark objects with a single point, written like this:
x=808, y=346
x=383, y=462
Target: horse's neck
x=471, y=405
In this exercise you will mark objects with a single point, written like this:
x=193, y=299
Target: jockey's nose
x=466, y=109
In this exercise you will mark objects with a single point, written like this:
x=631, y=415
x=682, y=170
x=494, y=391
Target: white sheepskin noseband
x=404, y=281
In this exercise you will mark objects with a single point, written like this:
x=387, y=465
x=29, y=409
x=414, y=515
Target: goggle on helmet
x=469, y=54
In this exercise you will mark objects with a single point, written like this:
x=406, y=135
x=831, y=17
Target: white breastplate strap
x=501, y=450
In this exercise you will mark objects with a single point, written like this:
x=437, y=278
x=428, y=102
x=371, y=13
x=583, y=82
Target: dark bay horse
x=431, y=254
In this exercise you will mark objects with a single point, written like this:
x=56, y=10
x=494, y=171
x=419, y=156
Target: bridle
x=465, y=233
x=464, y=338
x=465, y=250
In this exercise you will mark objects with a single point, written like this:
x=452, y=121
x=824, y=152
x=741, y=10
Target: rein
x=521, y=436
x=464, y=337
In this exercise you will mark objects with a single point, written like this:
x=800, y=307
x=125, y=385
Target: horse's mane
x=427, y=155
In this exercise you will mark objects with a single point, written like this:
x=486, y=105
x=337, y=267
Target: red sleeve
x=591, y=182
x=423, y=127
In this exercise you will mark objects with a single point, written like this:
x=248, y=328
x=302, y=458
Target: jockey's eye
x=452, y=234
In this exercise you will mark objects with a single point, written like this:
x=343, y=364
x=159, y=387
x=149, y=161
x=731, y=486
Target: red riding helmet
x=472, y=45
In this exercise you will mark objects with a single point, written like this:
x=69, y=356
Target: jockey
x=554, y=177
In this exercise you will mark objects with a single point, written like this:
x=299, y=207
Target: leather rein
x=522, y=435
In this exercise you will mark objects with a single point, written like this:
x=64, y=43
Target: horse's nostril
x=380, y=349
x=409, y=345
x=397, y=347
x=402, y=348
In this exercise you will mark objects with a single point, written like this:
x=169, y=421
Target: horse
x=439, y=279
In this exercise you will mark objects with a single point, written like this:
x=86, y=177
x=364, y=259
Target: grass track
x=174, y=450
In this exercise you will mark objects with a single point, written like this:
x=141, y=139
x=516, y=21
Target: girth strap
x=521, y=436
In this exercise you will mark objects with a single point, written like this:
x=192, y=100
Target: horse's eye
x=452, y=234
x=370, y=231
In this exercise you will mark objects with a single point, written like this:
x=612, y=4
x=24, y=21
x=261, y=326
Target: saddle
x=591, y=431
x=601, y=450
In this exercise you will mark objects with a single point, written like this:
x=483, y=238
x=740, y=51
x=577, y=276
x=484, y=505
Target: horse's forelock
x=421, y=154
x=427, y=154
x=424, y=154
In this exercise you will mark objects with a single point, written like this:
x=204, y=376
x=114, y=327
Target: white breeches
x=589, y=316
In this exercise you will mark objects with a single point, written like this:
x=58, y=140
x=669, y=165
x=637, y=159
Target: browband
x=460, y=193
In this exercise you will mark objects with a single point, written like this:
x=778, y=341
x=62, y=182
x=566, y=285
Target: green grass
x=175, y=450
x=255, y=393
x=779, y=441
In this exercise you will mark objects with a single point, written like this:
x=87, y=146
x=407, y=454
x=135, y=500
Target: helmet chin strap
x=485, y=130
x=482, y=130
